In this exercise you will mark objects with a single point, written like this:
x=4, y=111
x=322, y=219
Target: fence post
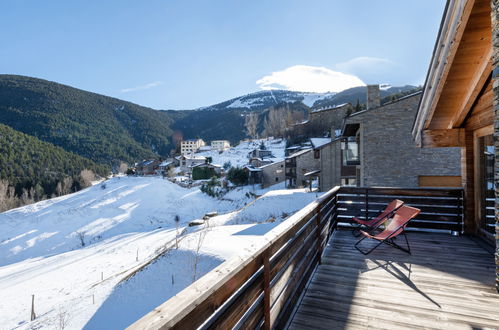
x=266, y=291
x=33, y=315
x=318, y=221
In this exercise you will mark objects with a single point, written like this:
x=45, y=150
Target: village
x=338, y=146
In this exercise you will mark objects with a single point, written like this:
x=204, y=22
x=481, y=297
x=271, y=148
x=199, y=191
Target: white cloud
x=365, y=65
x=306, y=78
x=142, y=87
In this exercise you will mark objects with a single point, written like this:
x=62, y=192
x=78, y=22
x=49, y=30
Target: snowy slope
x=128, y=225
x=237, y=155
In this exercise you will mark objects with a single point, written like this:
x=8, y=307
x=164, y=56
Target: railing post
x=367, y=204
x=318, y=221
x=266, y=291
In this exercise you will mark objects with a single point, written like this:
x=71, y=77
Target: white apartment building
x=220, y=144
x=191, y=146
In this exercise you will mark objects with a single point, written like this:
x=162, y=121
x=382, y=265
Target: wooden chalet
x=306, y=274
x=459, y=107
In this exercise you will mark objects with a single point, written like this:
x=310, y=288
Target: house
x=220, y=145
x=324, y=121
x=164, y=167
x=258, y=162
x=260, y=153
x=255, y=175
x=191, y=146
x=273, y=173
x=298, y=164
x=376, y=148
x=188, y=161
x=205, y=171
x=147, y=167
x=460, y=108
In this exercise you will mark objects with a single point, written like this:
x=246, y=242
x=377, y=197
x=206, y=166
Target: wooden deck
x=447, y=283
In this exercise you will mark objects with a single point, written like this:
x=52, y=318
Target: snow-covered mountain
x=265, y=99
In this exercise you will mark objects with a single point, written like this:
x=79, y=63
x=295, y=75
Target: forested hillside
x=101, y=128
x=35, y=170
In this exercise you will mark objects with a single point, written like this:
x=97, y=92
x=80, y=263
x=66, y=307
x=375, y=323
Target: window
x=349, y=182
x=276, y=179
x=317, y=154
x=350, y=152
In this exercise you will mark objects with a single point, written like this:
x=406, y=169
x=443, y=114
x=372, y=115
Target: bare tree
x=199, y=244
x=251, y=124
x=275, y=122
x=62, y=318
x=67, y=183
x=123, y=167
x=81, y=237
x=86, y=177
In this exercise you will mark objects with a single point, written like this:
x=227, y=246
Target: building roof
x=273, y=163
x=207, y=165
x=165, y=163
x=459, y=71
x=332, y=108
x=252, y=169
x=319, y=142
x=299, y=153
x=193, y=157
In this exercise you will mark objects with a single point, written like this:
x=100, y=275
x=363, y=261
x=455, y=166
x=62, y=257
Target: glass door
x=486, y=179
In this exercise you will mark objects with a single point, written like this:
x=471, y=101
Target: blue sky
x=172, y=54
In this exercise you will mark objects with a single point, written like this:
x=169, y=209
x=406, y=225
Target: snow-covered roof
x=299, y=153
x=331, y=108
x=253, y=169
x=205, y=148
x=273, y=163
x=206, y=165
x=165, y=163
x=193, y=157
x=319, y=142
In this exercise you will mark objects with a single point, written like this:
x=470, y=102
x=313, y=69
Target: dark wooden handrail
x=261, y=287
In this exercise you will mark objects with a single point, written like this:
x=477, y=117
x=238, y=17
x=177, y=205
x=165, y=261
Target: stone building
x=330, y=119
x=298, y=165
x=376, y=148
x=273, y=173
x=379, y=144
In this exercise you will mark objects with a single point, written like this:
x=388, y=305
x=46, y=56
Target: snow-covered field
x=76, y=253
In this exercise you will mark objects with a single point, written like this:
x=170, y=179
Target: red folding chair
x=396, y=227
x=369, y=224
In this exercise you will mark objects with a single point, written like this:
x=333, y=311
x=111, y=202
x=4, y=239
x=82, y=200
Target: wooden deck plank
x=448, y=282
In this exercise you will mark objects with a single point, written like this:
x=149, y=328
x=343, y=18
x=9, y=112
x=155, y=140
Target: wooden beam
x=480, y=77
x=449, y=47
x=438, y=138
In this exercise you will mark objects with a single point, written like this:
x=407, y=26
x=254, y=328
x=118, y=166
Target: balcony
x=308, y=275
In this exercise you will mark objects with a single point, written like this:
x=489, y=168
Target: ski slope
x=130, y=261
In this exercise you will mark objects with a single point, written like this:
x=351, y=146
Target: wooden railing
x=441, y=208
x=260, y=288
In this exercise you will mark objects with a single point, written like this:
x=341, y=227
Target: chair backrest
x=401, y=218
x=394, y=205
